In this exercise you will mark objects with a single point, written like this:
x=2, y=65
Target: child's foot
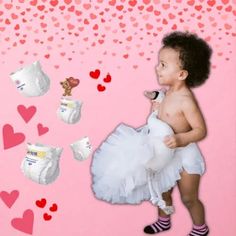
x=162, y=224
x=202, y=230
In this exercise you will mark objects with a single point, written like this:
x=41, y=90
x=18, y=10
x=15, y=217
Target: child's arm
x=195, y=119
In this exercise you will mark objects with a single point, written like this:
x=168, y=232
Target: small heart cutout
x=107, y=79
x=47, y=217
x=95, y=74
x=73, y=82
x=53, y=207
x=11, y=139
x=9, y=198
x=41, y=129
x=41, y=203
x=101, y=88
x=24, y=224
x=26, y=113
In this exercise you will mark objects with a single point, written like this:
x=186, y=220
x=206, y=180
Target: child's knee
x=189, y=200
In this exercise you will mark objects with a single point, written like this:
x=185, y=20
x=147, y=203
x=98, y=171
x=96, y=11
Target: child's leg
x=163, y=222
x=188, y=187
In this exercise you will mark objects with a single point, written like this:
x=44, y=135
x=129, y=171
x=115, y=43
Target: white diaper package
x=81, y=149
x=69, y=110
x=30, y=80
x=41, y=163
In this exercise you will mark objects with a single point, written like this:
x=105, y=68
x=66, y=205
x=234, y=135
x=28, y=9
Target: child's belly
x=177, y=122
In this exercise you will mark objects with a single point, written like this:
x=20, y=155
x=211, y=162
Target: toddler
x=184, y=63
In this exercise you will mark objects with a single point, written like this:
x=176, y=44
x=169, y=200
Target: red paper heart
x=73, y=82
x=67, y=1
x=54, y=2
x=41, y=203
x=132, y=3
x=101, y=88
x=9, y=198
x=33, y=2
x=24, y=224
x=11, y=139
x=211, y=3
x=26, y=113
x=41, y=129
x=95, y=74
x=47, y=217
x=53, y=207
x=8, y=6
x=107, y=79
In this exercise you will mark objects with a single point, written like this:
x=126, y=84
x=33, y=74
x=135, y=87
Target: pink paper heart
x=9, y=198
x=11, y=139
x=41, y=129
x=24, y=224
x=26, y=113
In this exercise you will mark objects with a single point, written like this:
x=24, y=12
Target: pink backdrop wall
x=73, y=38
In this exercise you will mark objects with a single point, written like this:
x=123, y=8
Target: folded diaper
x=31, y=81
x=41, y=163
x=81, y=149
x=69, y=110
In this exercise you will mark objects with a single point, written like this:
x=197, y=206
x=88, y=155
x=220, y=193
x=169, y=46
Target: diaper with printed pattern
x=31, y=81
x=41, y=163
x=69, y=110
x=81, y=149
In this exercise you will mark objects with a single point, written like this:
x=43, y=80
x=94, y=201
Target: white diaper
x=69, y=110
x=81, y=149
x=31, y=81
x=41, y=163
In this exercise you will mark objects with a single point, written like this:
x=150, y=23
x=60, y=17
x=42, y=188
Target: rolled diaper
x=30, y=80
x=81, y=149
x=69, y=110
x=41, y=163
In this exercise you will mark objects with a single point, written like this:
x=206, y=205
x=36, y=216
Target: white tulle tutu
x=133, y=165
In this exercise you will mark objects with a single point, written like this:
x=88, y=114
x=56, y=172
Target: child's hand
x=149, y=95
x=172, y=141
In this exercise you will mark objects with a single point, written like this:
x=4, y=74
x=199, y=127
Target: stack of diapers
x=69, y=110
x=41, y=163
x=81, y=149
x=31, y=81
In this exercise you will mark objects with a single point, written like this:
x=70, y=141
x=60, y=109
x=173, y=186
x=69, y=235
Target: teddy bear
x=68, y=84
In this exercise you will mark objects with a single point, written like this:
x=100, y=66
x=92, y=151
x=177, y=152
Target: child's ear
x=183, y=74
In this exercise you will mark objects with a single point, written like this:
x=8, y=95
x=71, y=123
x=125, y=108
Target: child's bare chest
x=170, y=112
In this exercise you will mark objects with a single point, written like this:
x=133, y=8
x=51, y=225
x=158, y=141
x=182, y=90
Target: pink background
x=69, y=46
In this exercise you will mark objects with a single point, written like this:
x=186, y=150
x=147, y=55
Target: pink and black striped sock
x=199, y=230
x=162, y=224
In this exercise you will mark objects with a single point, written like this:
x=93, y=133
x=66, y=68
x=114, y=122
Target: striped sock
x=199, y=230
x=162, y=224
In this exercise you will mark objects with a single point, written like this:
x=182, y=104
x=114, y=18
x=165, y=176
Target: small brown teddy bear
x=68, y=84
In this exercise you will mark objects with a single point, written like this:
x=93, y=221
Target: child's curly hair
x=194, y=54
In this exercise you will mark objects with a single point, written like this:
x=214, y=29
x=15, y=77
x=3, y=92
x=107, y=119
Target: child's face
x=169, y=67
